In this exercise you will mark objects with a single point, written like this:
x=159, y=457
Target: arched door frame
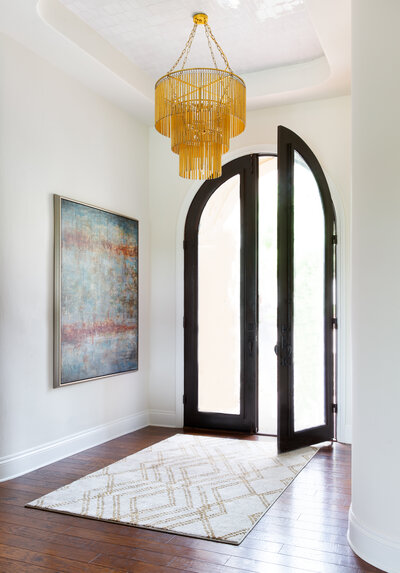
x=343, y=339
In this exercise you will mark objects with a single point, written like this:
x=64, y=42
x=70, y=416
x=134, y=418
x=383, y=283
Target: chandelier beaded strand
x=200, y=109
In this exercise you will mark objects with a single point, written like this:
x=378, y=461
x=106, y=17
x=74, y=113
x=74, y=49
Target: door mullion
x=285, y=289
x=249, y=286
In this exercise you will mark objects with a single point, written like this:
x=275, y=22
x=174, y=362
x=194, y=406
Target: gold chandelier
x=200, y=109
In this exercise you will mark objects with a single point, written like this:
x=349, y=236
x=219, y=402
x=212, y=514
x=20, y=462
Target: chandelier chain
x=210, y=46
x=186, y=49
x=190, y=42
x=185, y=52
x=207, y=27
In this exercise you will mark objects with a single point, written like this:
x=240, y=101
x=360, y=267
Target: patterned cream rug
x=213, y=488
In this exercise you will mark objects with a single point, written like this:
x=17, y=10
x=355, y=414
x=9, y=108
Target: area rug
x=200, y=486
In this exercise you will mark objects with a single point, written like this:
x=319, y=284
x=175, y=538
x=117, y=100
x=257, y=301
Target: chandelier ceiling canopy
x=200, y=109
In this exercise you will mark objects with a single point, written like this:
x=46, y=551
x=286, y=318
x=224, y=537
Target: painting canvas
x=96, y=293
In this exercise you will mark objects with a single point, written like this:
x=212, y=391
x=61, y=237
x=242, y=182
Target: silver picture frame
x=96, y=298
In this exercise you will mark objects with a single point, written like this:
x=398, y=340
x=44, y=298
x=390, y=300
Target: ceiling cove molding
x=287, y=78
x=20, y=20
x=57, y=16
x=260, y=85
x=53, y=32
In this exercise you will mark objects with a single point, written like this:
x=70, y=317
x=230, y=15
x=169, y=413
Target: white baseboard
x=344, y=434
x=378, y=551
x=34, y=458
x=164, y=418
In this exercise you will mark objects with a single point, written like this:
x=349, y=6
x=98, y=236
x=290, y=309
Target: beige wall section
x=374, y=528
x=58, y=137
x=325, y=126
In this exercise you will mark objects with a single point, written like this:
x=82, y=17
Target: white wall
x=58, y=137
x=325, y=126
x=374, y=530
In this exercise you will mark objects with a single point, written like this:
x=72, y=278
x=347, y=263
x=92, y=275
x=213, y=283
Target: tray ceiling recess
x=257, y=35
x=285, y=50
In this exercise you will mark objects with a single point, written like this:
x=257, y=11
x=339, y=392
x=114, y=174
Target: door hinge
x=334, y=408
x=334, y=239
x=184, y=399
x=334, y=323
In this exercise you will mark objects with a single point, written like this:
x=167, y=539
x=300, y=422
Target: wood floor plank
x=223, y=548
x=7, y=566
x=305, y=544
x=338, y=529
x=265, y=532
x=42, y=546
x=13, y=518
x=130, y=565
x=305, y=530
x=293, y=563
x=131, y=544
x=53, y=562
x=341, y=561
x=187, y=564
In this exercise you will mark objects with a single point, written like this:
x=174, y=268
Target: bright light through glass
x=308, y=302
x=219, y=301
x=267, y=295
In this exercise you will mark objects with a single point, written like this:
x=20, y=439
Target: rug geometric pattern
x=213, y=488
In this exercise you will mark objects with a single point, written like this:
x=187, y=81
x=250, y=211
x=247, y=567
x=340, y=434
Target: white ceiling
x=254, y=34
x=286, y=50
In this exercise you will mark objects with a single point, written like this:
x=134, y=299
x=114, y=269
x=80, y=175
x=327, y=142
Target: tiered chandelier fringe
x=200, y=109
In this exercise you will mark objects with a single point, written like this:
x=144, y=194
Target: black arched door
x=230, y=352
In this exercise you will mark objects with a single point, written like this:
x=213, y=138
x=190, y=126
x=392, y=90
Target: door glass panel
x=219, y=301
x=308, y=300
x=267, y=295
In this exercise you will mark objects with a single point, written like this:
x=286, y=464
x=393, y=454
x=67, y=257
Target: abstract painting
x=96, y=293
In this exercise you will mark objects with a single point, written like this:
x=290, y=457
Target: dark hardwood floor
x=305, y=530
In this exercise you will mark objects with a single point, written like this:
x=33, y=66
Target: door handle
x=250, y=347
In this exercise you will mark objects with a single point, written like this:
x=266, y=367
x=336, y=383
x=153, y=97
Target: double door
x=260, y=298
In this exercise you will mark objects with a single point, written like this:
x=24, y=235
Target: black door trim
x=288, y=439
x=247, y=168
